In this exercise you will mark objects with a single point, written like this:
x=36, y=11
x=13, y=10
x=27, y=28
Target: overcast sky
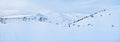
x=83, y=6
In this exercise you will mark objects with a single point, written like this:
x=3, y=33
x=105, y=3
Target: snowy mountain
x=100, y=26
x=63, y=19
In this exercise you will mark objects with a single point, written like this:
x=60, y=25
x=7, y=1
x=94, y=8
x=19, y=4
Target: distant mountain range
x=54, y=18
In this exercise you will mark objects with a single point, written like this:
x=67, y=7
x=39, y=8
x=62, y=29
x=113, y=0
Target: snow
x=55, y=29
x=59, y=20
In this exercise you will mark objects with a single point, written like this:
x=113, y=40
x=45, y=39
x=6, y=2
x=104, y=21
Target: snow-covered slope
x=101, y=26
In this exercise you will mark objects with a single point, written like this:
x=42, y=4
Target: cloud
x=81, y=6
x=13, y=4
x=19, y=6
x=46, y=6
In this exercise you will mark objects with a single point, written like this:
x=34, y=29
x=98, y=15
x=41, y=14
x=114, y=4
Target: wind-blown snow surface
x=103, y=27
